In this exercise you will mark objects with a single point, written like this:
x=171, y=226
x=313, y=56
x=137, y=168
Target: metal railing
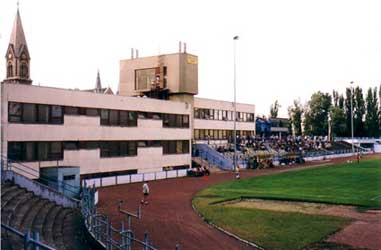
x=29, y=239
x=101, y=229
x=18, y=167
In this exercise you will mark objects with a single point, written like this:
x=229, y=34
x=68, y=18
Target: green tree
x=295, y=113
x=358, y=112
x=338, y=121
x=371, y=117
x=274, y=109
x=316, y=114
x=379, y=111
x=347, y=109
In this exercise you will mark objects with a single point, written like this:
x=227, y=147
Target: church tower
x=17, y=57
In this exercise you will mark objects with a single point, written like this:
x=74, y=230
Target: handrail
x=63, y=185
x=27, y=238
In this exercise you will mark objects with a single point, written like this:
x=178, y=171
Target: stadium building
x=147, y=127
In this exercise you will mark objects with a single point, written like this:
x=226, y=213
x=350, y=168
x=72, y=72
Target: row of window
x=219, y=134
x=35, y=151
x=223, y=115
x=53, y=114
x=50, y=151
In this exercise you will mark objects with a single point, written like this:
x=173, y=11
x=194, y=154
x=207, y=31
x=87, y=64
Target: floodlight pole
x=235, y=108
x=353, y=147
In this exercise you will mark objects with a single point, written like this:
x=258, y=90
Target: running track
x=169, y=218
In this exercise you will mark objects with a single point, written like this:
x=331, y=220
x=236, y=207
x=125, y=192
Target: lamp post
x=353, y=147
x=235, y=109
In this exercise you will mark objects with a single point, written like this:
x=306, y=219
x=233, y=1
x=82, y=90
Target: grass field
x=349, y=184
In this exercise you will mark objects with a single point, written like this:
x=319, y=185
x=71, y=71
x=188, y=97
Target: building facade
x=148, y=127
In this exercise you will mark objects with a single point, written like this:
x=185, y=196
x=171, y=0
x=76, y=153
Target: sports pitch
x=342, y=184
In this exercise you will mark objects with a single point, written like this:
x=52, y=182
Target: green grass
x=352, y=184
x=349, y=184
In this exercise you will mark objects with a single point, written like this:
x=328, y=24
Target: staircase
x=212, y=156
x=212, y=168
x=59, y=227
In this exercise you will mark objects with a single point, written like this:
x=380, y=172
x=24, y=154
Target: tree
x=316, y=115
x=379, y=111
x=371, y=117
x=335, y=96
x=295, y=113
x=347, y=109
x=274, y=108
x=358, y=112
x=338, y=121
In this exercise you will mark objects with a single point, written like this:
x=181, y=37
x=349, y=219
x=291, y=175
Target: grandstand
x=57, y=226
x=253, y=152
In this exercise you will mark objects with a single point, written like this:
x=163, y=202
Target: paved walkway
x=169, y=218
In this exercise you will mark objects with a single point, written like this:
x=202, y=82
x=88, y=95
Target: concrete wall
x=182, y=73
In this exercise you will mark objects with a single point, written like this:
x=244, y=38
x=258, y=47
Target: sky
x=286, y=49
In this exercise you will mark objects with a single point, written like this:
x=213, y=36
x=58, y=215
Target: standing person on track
x=145, y=193
x=358, y=158
x=237, y=172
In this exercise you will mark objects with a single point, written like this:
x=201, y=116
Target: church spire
x=17, y=56
x=98, y=84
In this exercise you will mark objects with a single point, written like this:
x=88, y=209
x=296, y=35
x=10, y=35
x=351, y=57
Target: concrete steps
x=59, y=227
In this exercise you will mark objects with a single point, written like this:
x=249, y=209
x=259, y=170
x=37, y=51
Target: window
x=30, y=151
x=104, y=148
x=14, y=112
x=71, y=145
x=55, y=152
x=114, y=117
x=24, y=70
x=15, y=151
x=196, y=113
x=179, y=147
x=216, y=116
x=185, y=147
x=69, y=177
x=179, y=121
x=175, y=147
x=29, y=113
x=117, y=148
x=9, y=70
x=123, y=118
x=88, y=145
x=43, y=151
x=202, y=134
x=132, y=119
x=230, y=117
x=114, y=149
x=105, y=117
x=71, y=110
x=196, y=134
x=123, y=148
x=57, y=115
x=91, y=112
x=43, y=113
x=144, y=78
x=132, y=149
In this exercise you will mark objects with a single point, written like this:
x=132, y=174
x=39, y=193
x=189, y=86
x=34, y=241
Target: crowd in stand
x=284, y=144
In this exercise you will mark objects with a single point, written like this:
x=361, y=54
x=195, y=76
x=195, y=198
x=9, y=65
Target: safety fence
x=132, y=178
x=108, y=236
x=31, y=240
